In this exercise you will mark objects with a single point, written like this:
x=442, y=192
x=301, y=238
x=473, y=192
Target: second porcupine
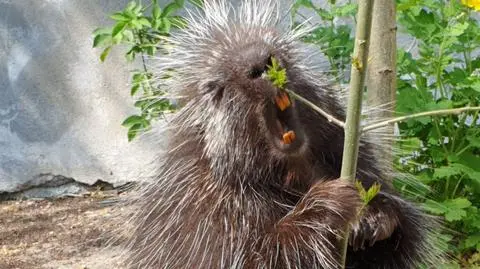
x=229, y=192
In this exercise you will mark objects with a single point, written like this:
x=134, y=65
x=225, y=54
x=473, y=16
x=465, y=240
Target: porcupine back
x=219, y=183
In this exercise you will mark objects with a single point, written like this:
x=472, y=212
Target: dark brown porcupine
x=229, y=192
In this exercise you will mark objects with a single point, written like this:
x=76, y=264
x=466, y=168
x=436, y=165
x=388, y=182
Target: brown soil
x=67, y=233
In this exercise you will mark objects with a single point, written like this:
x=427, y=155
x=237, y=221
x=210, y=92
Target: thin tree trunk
x=381, y=77
x=354, y=108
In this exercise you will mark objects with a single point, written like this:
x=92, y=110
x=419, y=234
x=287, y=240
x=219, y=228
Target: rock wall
x=60, y=108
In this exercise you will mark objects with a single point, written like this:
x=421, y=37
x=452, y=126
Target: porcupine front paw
x=337, y=199
x=377, y=222
x=391, y=233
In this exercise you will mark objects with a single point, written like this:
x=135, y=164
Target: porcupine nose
x=256, y=59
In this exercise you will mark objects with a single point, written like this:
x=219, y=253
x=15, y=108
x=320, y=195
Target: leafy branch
x=143, y=30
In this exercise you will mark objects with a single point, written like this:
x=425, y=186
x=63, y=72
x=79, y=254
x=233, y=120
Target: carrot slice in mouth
x=282, y=101
x=288, y=137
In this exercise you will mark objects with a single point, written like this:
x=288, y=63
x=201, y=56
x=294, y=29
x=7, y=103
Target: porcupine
x=230, y=192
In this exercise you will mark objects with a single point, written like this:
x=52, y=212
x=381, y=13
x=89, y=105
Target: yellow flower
x=475, y=4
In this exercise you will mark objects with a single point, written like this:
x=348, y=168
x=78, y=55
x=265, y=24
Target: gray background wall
x=60, y=108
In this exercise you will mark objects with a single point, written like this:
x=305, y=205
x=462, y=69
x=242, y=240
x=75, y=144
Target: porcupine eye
x=255, y=72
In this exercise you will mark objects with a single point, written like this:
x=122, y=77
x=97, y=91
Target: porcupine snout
x=280, y=115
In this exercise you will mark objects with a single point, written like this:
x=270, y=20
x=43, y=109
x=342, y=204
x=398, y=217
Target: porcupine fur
x=228, y=194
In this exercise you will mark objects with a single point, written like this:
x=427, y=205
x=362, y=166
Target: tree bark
x=381, y=77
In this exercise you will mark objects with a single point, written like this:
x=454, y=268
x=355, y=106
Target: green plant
x=141, y=28
x=442, y=152
x=334, y=38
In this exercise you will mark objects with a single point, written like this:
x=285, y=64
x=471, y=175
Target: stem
x=357, y=80
x=440, y=69
x=461, y=123
x=439, y=133
x=144, y=65
x=456, y=186
x=322, y=112
x=467, y=49
x=463, y=150
x=417, y=115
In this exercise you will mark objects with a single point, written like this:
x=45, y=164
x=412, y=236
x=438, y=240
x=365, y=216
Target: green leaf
x=476, y=85
x=409, y=145
x=455, y=215
x=117, y=39
x=473, y=241
x=151, y=50
x=458, y=29
x=102, y=30
x=166, y=25
x=367, y=196
x=138, y=77
x=457, y=169
x=443, y=104
x=128, y=35
x=346, y=10
x=447, y=171
x=372, y=192
x=473, y=136
x=133, y=131
x=410, y=100
x=137, y=10
x=456, y=208
x=324, y=14
x=101, y=40
x=434, y=207
x=305, y=3
x=131, y=6
x=458, y=203
x=470, y=160
x=105, y=53
x=118, y=28
x=145, y=22
x=134, y=89
x=156, y=12
x=136, y=24
x=170, y=8
x=276, y=74
x=120, y=17
x=453, y=209
x=132, y=120
x=408, y=5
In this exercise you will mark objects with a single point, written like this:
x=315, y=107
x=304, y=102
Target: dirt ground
x=67, y=233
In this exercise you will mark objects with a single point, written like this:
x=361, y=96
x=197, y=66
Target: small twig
x=322, y=112
x=144, y=64
x=417, y=115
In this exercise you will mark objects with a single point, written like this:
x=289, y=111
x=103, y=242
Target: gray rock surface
x=60, y=108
